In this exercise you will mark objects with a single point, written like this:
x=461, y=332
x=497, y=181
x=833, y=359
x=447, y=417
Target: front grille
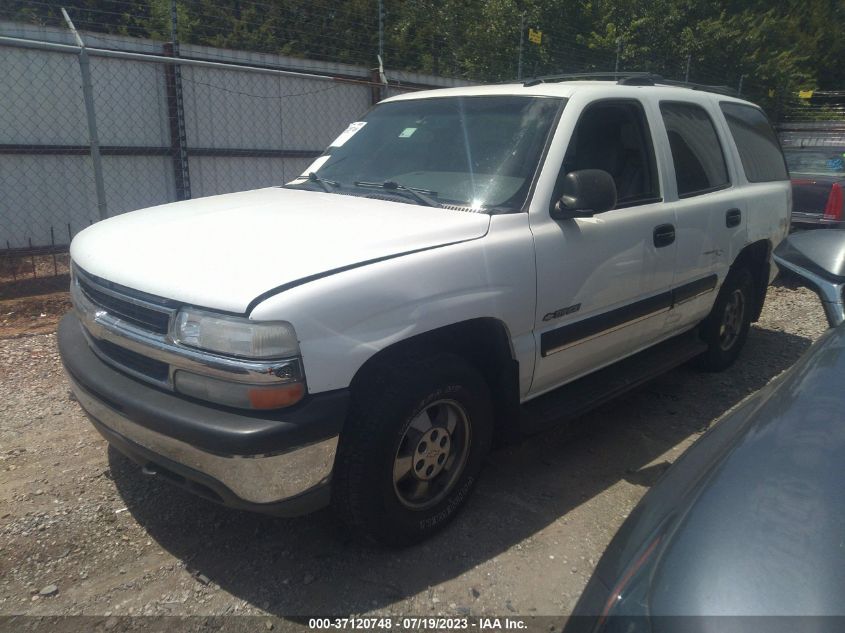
x=139, y=315
x=133, y=361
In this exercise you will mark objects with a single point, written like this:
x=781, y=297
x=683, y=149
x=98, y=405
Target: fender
x=343, y=319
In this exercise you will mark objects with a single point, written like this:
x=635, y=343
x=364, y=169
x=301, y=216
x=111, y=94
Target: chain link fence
x=99, y=124
x=121, y=124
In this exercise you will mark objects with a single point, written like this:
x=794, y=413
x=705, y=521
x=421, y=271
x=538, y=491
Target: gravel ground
x=82, y=532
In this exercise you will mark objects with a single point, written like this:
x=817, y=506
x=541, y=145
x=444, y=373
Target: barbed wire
x=566, y=49
x=275, y=97
x=563, y=48
x=243, y=127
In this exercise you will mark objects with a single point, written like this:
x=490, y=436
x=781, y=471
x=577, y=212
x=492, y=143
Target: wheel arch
x=486, y=343
x=756, y=258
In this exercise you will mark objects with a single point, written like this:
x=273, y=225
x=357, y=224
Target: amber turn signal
x=276, y=397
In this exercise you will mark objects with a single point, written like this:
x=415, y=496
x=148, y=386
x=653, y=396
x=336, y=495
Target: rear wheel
x=726, y=327
x=412, y=449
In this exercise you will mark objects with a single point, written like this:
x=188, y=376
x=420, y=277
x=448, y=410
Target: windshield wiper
x=313, y=177
x=422, y=196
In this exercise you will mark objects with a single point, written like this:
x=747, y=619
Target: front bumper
x=278, y=462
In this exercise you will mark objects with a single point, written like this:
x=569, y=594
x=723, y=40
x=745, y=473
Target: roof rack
x=629, y=78
x=725, y=90
x=620, y=76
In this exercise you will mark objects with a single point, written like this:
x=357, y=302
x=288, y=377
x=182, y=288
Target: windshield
x=478, y=152
x=830, y=162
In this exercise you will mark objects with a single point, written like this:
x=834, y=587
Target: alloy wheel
x=431, y=455
x=732, y=320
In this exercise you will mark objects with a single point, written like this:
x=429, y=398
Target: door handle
x=733, y=217
x=664, y=234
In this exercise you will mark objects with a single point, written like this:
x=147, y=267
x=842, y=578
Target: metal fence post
x=178, y=135
x=93, y=138
x=176, y=112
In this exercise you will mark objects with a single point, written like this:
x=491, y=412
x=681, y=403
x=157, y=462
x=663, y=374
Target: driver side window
x=614, y=136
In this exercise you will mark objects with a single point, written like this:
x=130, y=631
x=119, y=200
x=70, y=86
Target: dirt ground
x=33, y=294
x=83, y=532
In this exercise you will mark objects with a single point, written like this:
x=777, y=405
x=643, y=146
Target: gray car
x=751, y=520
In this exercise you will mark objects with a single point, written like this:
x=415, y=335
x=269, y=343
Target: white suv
x=461, y=266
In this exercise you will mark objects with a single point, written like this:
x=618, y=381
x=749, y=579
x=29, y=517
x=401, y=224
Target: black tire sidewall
x=716, y=358
x=446, y=377
x=428, y=520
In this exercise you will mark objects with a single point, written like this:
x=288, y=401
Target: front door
x=604, y=282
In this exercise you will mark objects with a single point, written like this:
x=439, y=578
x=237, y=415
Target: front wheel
x=726, y=327
x=413, y=447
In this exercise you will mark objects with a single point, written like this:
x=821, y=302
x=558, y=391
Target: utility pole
x=521, y=36
x=381, y=30
x=739, y=88
x=618, y=53
x=686, y=74
x=377, y=75
x=174, y=23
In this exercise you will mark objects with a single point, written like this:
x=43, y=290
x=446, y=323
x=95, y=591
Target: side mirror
x=818, y=258
x=585, y=193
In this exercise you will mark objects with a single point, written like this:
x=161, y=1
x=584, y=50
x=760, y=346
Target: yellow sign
x=771, y=92
x=535, y=37
x=805, y=94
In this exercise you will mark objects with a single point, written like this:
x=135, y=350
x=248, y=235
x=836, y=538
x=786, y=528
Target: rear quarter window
x=696, y=151
x=759, y=150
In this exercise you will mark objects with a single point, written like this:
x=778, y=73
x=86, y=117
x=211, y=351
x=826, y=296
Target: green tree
x=772, y=49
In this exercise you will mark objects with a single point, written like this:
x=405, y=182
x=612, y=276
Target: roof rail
x=630, y=78
x=593, y=75
x=725, y=90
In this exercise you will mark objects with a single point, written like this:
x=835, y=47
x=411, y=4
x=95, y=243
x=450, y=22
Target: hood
x=765, y=534
x=224, y=251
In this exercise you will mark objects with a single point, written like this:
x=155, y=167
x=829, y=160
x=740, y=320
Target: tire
x=726, y=327
x=387, y=449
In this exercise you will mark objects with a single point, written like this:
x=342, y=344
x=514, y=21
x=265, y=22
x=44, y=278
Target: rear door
x=761, y=165
x=710, y=209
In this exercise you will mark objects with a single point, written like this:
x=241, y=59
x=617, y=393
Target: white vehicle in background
x=460, y=267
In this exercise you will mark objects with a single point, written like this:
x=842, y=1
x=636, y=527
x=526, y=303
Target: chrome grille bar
x=108, y=330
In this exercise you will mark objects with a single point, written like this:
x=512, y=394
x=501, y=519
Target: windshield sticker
x=348, y=133
x=316, y=165
x=407, y=132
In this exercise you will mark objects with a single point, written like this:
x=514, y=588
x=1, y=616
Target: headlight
x=234, y=336
x=239, y=337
